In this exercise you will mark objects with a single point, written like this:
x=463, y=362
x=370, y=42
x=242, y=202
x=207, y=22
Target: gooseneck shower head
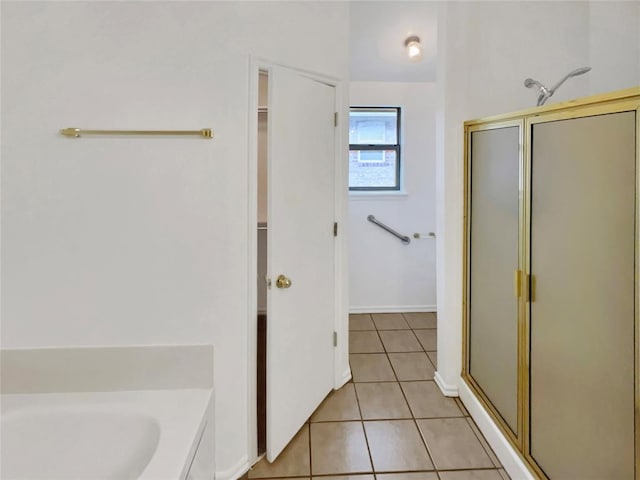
x=545, y=92
x=574, y=73
x=530, y=82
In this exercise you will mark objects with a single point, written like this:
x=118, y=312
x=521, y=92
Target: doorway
x=263, y=112
x=295, y=251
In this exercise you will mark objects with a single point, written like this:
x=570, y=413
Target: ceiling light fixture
x=414, y=47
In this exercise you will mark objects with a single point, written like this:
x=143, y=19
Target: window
x=374, y=148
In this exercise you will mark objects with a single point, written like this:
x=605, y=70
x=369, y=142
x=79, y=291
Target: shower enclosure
x=551, y=283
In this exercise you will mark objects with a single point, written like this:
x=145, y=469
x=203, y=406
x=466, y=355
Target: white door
x=301, y=247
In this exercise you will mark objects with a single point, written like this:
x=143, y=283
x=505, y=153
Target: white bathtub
x=150, y=434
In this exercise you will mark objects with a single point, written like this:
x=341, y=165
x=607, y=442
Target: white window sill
x=381, y=195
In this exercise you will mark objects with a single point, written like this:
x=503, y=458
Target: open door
x=300, y=300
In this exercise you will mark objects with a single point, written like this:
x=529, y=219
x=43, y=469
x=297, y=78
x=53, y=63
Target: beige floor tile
x=339, y=405
x=390, y=321
x=371, y=368
x=484, y=443
x=426, y=400
x=382, y=401
x=348, y=477
x=293, y=461
x=428, y=339
x=361, y=322
x=461, y=406
x=400, y=341
x=364, y=342
x=408, y=476
x=471, y=475
x=412, y=366
x=396, y=445
x=433, y=356
x=453, y=444
x=338, y=448
x=421, y=320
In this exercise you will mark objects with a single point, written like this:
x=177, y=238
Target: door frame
x=342, y=371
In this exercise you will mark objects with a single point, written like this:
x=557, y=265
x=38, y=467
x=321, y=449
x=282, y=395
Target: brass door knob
x=283, y=282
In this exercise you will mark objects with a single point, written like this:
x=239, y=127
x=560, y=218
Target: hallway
x=390, y=422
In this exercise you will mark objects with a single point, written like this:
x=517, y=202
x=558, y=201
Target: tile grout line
x=392, y=381
x=421, y=345
x=415, y=422
x=405, y=397
x=431, y=361
x=384, y=347
x=398, y=330
x=373, y=473
x=390, y=329
x=464, y=417
x=461, y=406
x=470, y=469
x=391, y=419
x=384, y=472
x=364, y=430
x=408, y=351
x=482, y=442
x=386, y=353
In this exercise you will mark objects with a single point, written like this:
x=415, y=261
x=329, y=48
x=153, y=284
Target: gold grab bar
x=77, y=132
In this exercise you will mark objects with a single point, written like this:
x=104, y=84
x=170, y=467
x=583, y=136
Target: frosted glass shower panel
x=493, y=260
x=582, y=310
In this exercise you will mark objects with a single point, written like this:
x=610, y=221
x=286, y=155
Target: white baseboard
x=393, y=309
x=346, y=376
x=509, y=458
x=446, y=389
x=235, y=472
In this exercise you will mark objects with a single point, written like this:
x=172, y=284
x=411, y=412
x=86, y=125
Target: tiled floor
x=391, y=422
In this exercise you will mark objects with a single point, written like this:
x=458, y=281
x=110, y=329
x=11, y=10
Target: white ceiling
x=377, y=35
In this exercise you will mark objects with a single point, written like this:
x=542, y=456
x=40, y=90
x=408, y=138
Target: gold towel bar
x=77, y=132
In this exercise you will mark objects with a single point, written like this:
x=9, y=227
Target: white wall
x=386, y=275
x=614, y=45
x=485, y=51
x=116, y=241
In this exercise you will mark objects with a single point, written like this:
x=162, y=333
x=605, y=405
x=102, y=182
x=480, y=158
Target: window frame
x=380, y=147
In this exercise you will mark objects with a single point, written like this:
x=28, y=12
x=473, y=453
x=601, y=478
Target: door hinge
x=335, y=119
x=335, y=339
x=335, y=229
